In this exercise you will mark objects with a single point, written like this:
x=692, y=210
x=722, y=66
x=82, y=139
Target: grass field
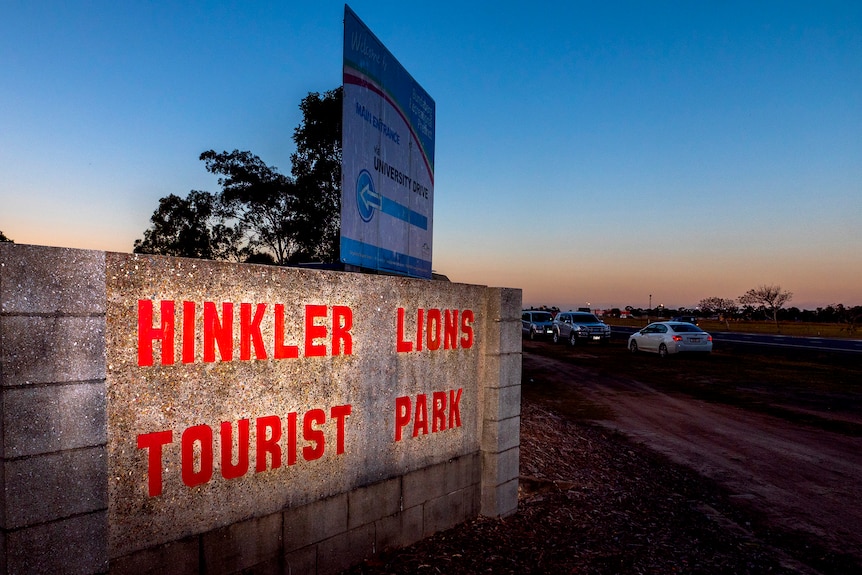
x=802, y=329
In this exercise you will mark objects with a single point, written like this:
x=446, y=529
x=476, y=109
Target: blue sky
x=585, y=152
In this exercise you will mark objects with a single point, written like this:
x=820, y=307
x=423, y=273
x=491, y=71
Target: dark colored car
x=575, y=326
x=537, y=324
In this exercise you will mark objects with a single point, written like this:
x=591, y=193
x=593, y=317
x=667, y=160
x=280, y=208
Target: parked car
x=537, y=324
x=666, y=337
x=575, y=326
x=685, y=318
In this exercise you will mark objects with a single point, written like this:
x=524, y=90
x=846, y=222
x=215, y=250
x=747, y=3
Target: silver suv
x=575, y=326
x=535, y=323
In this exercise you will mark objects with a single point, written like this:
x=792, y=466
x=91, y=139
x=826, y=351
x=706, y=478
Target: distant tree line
x=261, y=215
x=833, y=313
x=3, y=238
x=764, y=303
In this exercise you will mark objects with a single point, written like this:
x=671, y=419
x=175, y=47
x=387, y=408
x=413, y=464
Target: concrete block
x=78, y=546
x=368, y=504
x=336, y=554
x=511, y=340
x=399, y=530
x=424, y=484
x=502, y=370
x=4, y=501
x=48, y=487
x=504, y=316
x=271, y=566
x=315, y=522
x=504, y=303
x=498, y=436
x=462, y=472
x=46, y=419
x=302, y=560
x=510, y=369
x=500, y=501
x=511, y=303
x=498, y=468
x=180, y=558
x=242, y=545
x=438, y=480
x=42, y=280
x=502, y=403
x=50, y=349
x=450, y=510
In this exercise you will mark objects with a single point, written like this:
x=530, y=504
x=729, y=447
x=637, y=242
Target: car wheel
x=633, y=347
x=555, y=338
x=662, y=350
x=573, y=339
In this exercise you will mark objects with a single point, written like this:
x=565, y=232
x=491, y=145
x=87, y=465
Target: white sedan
x=666, y=337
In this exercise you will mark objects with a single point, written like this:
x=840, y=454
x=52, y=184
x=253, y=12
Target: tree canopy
x=3, y=238
x=261, y=215
x=180, y=227
x=261, y=201
x=317, y=169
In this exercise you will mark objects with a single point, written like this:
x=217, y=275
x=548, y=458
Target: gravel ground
x=593, y=502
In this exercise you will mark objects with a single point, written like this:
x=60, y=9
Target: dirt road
x=800, y=479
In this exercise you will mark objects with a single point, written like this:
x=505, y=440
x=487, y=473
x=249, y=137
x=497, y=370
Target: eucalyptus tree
x=261, y=215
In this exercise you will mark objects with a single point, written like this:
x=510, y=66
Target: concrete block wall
x=53, y=460
x=501, y=374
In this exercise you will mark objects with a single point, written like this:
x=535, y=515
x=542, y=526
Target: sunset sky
x=585, y=152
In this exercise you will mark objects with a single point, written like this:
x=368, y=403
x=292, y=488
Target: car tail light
x=677, y=338
x=709, y=338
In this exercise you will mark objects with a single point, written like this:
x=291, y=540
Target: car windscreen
x=684, y=327
x=541, y=317
x=584, y=318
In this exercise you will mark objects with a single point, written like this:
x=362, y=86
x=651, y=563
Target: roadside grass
x=818, y=389
x=798, y=328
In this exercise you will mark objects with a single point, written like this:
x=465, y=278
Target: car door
x=656, y=336
x=564, y=325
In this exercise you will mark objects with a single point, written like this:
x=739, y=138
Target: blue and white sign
x=387, y=202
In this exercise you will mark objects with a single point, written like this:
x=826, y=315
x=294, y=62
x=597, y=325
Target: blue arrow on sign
x=368, y=199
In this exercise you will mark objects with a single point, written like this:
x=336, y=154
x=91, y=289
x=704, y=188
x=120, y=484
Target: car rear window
x=684, y=327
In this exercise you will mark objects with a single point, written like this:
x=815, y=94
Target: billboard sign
x=387, y=159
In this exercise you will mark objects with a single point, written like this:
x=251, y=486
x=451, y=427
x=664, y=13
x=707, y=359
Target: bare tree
x=725, y=308
x=769, y=297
